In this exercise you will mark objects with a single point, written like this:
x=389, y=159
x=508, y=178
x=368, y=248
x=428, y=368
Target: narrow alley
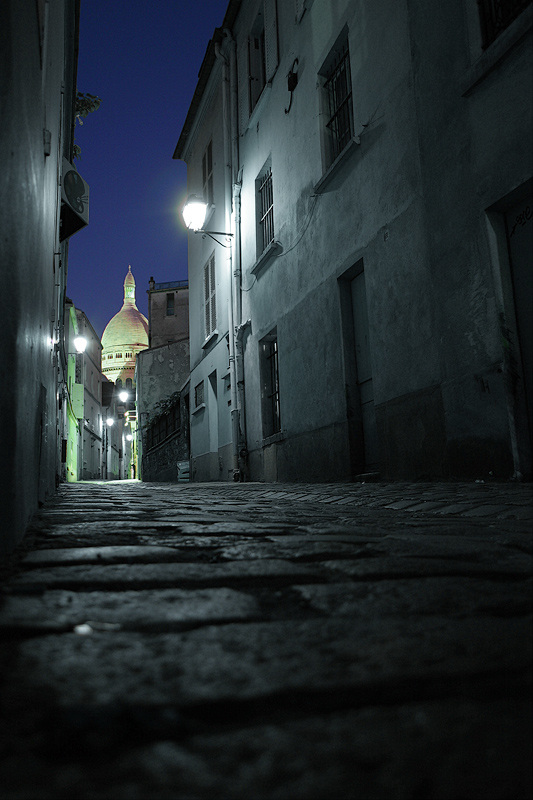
x=369, y=641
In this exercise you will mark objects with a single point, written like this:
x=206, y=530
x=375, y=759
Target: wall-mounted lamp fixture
x=194, y=214
x=292, y=82
x=110, y=421
x=80, y=343
x=123, y=396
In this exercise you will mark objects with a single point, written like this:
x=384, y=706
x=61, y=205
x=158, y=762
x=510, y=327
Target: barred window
x=496, y=15
x=170, y=304
x=338, y=97
x=210, y=307
x=164, y=426
x=265, y=210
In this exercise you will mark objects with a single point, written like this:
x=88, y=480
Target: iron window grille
x=496, y=15
x=210, y=307
x=170, y=304
x=266, y=210
x=163, y=427
x=338, y=87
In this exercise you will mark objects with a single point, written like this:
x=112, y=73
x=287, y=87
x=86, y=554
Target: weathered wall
x=160, y=373
x=37, y=70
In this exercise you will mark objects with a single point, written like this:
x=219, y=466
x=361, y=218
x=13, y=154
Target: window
x=338, y=107
x=210, y=309
x=110, y=355
x=199, y=394
x=170, y=304
x=256, y=61
x=270, y=385
x=496, y=15
x=118, y=355
x=265, y=210
x=207, y=176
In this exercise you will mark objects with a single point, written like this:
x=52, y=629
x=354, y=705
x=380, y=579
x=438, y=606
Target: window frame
x=209, y=297
x=207, y=174
x=270, y=393
x=337, y=100
x=264, y=209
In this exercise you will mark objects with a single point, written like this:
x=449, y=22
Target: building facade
x=41, y=195
x=161, y=376
x=372, y=312
x=168, y=312
x=88, y=374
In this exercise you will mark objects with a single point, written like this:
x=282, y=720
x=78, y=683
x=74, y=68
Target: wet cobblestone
x=270, y=641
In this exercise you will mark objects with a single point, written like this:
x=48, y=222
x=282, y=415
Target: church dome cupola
x=125, y=335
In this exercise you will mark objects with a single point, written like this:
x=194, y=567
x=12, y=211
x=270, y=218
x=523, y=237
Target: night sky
x=142, y=59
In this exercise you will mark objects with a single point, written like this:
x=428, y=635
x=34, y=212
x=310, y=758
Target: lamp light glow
x=123, y=396
x=80, y=343
x=194, y=213
x=129, y=437
x=110, y=421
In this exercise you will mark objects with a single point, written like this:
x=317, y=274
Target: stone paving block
x=161, y=575
x=110, y=554
x=406, y=567
x=450, y=749
x=373, y=660
x=132, y=610
x=449, y=596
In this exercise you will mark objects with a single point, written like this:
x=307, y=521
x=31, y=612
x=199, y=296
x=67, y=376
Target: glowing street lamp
x=80, y=343
x=110, y=421
x=129, y=437
x=194, y=214
x=123, y=396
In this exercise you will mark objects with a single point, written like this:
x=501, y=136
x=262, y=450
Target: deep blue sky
x=142, y=59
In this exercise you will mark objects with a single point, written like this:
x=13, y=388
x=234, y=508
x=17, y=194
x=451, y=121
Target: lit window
x=210, y=308
x=337, y=87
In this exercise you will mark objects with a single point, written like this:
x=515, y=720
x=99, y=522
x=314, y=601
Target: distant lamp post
x=123, y=396
x=80, y=343
x=194, y=214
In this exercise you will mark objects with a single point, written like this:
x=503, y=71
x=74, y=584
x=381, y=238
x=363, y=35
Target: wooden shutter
x=271, y=38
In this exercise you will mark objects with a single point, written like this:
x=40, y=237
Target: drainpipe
x=228, y=174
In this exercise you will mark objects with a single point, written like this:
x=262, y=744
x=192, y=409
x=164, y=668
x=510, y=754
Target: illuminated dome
x=124, y=336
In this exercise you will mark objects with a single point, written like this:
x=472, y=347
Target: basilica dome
x=125, y=335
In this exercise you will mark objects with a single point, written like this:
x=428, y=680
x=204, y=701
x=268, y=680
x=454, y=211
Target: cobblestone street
x=250, y=641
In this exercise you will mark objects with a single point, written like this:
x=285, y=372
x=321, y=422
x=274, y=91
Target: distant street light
x=123, y=396
x=110, y=421
x=80, y=343
x=129, y=437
